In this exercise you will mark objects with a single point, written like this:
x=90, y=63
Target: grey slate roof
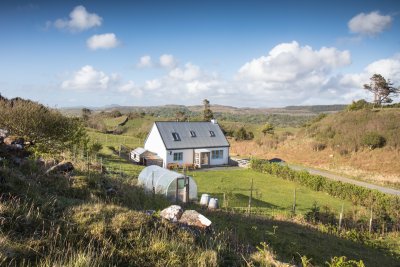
x=202, y=130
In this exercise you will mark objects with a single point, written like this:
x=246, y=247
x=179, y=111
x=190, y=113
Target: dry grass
x=381, y=166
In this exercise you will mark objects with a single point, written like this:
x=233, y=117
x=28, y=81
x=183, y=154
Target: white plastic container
x=213, y=203
x=205, y=198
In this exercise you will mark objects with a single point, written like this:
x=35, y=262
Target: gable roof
x=201, y=139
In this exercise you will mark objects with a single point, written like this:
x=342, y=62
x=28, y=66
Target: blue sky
x=240, y=53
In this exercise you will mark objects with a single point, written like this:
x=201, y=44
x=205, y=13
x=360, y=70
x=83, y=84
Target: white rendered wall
x=155, y=144
x=187, y=156
x=222, y=161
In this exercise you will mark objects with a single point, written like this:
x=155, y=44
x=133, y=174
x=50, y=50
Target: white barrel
x=213, y=203
x=204, y=199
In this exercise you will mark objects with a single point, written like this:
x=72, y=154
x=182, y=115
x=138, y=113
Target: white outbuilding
x=169, y=183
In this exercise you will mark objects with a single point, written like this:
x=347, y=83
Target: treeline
x=318, y=108
x=278, y=120
x=385, y=207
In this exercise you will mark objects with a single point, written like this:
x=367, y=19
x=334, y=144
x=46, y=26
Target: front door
x=205, y=158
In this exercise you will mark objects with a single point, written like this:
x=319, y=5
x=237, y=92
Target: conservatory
x=169, y=183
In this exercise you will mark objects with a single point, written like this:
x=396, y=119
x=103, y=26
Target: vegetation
x=373, y=140
x=349, y=131
x=46, y=129
x=268, y=129
x=386, y=207
x=207, y=113
x=381, y=89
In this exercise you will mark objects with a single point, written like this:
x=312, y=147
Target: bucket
x=213, y=203
x=205, y=198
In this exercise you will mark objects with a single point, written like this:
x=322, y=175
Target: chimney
x=214, y=121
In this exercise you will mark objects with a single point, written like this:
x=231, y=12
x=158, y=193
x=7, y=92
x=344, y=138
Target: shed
x=145, y=157
x=168, y=183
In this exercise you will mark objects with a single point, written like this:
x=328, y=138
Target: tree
x=268, y=129
x=181, y=116
x=381, y=89
x=207, y=113
x=86, y=114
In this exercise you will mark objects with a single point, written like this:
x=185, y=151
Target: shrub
x=318, y=146
x=360, y=104
x=373, y=140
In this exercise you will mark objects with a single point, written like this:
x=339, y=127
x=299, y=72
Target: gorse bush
x=373, y=140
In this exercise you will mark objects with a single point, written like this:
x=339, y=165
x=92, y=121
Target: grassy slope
x=341, y=132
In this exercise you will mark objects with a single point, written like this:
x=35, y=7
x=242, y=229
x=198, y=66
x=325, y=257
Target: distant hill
x=168, y=110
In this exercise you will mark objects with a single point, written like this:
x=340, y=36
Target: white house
x=201, y=144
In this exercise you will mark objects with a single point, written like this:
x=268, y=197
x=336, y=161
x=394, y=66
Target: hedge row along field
x=385, y=207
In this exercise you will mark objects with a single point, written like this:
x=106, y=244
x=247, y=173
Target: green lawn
x=270, y=194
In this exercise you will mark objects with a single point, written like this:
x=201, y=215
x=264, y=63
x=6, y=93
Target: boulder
x=193, y=218
x=172, y=213
x=63, y=167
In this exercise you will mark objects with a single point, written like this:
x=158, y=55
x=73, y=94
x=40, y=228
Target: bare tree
x=381, y=89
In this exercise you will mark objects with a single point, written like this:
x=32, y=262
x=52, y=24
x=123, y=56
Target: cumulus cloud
x=102, y=41
x=79, y=20
x=369, y=24
x=292, y=74
x=388, y=68
x=88, y=78
x=290, y=62
x=167, y=61
x=145, y=62
x=131, y=88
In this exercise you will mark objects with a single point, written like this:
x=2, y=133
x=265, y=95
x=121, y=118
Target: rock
x=63, y=167
x=193, y=218
x=172, y=213
x=3, y=133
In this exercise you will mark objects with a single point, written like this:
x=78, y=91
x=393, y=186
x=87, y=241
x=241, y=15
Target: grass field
x=110, y=157
x=271, y=195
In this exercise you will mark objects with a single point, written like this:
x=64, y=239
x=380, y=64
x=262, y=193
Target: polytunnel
x=166, y=182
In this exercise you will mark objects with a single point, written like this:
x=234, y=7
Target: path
x=346, y=180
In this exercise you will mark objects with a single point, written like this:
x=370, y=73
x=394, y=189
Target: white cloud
x=102, y=41
x=131, y=88
x=167, y=61
x=79, y=20
x=145, y=62
x=290, y=62
x=153, y=84
x=369, y=24
x=188, y=73
x=88, y=78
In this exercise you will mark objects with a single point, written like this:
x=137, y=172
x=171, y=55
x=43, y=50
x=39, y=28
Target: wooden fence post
x=340, y=218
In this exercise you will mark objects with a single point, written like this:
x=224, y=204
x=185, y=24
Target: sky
x=237, y=53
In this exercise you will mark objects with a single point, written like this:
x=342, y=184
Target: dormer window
x=176, y=136
x=193, y=133
x=212, y=134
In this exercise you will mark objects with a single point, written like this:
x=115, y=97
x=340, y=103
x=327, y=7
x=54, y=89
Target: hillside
x=340, y=142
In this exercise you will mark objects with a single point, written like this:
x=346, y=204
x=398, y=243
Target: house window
x=178, y=156
x=217, y=154
x=176, y=137
x=192, y=133
x=212, y=134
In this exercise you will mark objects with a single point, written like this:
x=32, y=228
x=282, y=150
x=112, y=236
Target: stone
x=172, y=213
x=193, y=218
x=63, y=167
